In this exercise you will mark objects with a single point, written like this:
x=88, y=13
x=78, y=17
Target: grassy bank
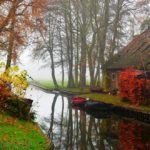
x=21, y=135
x=49, y=85
x=115, y=100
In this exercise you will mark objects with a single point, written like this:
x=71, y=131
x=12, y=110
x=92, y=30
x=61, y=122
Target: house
x=136, y=54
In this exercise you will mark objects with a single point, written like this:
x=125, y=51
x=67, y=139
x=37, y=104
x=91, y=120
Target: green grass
x=49, y=84
x=115, y=100
x=21, y=135
x=77, y=90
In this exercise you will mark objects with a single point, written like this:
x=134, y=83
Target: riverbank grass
x=85, y=93
x=49, y=85
x=17, y=134
x=115, y=100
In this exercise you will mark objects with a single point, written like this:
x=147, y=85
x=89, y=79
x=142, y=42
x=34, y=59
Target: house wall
x=114, y=79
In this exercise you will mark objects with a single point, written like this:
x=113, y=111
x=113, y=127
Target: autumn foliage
x=132, y=136
x=18, y=22
x=13, y=82
x=133, y=88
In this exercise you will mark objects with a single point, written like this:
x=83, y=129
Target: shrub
x=15, y=80
x=19, y=108
x=96, y=89
x=13, y=85
x=134, y=89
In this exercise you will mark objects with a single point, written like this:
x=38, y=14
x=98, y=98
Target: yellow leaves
x=14, y=79
x=13, y=69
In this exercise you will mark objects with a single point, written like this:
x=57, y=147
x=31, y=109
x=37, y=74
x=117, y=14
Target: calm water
x=73, y=129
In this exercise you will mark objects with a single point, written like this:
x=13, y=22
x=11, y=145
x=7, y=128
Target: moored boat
x=78, y=101
x=97, y=105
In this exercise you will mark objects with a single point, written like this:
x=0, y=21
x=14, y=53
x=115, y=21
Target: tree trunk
x=77, y=53
x=53, y=68
x=102, y=38
x=69, y=38
x=62, y=61
x=91, y=61
x=10, y=47
x=83, y=32
x=11, y=34
x=115, y=27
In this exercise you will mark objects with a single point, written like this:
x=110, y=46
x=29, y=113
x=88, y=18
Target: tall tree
x=14, y=24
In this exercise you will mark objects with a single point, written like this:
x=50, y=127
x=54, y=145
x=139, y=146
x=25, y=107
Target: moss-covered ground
x=17, y=134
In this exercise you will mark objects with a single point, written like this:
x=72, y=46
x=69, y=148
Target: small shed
x=136, y=54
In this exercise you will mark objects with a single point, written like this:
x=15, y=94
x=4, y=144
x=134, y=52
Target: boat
x=78, y=101
x=97, y=105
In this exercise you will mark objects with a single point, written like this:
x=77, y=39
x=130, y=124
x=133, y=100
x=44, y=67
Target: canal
x=75, y=129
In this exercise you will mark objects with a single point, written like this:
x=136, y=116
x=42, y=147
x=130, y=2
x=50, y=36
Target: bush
x=13, y=85
x=134, y=89
x=19, y=108
x=114, y=91
x=4, y=92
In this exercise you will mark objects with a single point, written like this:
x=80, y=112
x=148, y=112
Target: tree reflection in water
x=133, y=136
x=73, y=129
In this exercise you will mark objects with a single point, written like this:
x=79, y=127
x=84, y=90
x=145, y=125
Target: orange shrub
x=134, y=89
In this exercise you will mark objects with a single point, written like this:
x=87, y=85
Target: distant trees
x=77, y=35
x=85, y=34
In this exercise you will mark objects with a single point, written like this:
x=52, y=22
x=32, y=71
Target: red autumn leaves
x=133, y=136
x=133, y=88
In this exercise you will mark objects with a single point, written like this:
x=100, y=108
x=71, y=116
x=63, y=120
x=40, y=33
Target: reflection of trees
x=77, y=130
x=69, y=128
x=83, y=131
x=50, y=132
x=61, y=123
x=91, y=121
x=133, y=136
x=74, y=129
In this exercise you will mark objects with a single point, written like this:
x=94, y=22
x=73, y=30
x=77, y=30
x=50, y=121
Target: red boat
x=78, y=101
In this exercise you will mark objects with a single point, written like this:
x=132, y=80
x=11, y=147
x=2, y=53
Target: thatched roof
x=136, y=53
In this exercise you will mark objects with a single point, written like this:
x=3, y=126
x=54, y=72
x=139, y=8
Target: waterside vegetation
x=20, y=134
x=17, y=127
x=106, y=98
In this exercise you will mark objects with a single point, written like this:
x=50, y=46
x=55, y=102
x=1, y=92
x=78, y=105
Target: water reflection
x=74, y=129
